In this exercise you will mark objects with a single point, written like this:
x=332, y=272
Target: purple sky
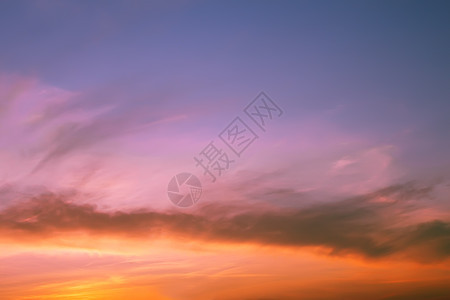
x=103, y=102
x=94, y=94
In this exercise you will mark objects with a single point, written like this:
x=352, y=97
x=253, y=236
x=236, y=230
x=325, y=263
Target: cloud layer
x=369, y=225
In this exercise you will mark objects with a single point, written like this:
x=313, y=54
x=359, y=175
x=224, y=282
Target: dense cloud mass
x=361, y=225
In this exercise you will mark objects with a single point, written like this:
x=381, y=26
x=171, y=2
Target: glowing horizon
x=342, y=193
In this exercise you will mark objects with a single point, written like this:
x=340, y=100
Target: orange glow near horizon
x=224, y=150
x=113, y=268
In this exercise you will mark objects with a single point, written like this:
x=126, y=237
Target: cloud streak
x=362, y=225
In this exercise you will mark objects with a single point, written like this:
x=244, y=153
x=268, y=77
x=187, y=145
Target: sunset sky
x=343, y=193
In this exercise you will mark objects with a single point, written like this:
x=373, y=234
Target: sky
x=226, y=150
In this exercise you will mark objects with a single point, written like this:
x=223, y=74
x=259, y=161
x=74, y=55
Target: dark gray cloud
x=360, y=225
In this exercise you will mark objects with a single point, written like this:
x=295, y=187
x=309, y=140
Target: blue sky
x=373, y=71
